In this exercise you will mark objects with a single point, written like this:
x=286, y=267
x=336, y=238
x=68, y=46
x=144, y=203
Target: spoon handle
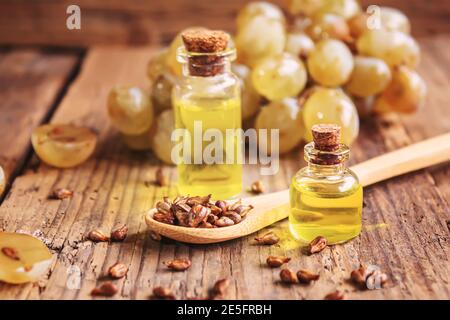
x=413, y=157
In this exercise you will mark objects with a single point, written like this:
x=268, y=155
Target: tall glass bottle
x=208, y=97
x=325, y=197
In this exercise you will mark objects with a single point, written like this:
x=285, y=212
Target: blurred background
x=143, y=22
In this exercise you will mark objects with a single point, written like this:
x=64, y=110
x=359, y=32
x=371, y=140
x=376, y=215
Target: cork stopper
x=207, y=42
x=327, y=137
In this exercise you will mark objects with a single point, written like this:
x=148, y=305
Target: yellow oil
x=331, y=210
x=222, y=180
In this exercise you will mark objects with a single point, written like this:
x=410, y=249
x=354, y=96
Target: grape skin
x=250, y=99
x=326, y=26
x=330, y=63
x=299, y=44
x=328, y=105
x=63, y=146
x=279, y=77
x=406, y=92
x=130, y=109
x=259, y=38
x=370, y=76
x=158, y=65
x=286, y=116
x=394, y=47
x=344, y=8
x=259, y=8
x=161, y=141
x=2, y=181
x=161, y=92
x=306, y=7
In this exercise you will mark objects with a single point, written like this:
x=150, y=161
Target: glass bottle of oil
x=208, y=98
x=325, y=197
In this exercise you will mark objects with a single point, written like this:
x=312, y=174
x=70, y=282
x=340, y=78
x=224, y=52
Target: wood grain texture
x=30, y=82
x=405, y=230
x=139, y=22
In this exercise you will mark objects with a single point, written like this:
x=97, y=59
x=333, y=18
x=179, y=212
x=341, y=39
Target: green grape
x=157, y=64
x=327, y=26
x=130, y=109
x=394, y=47
x=330, y=63
x=259, y=8
x=405, y=93
x=161, y=92
x=161, y=140
x=63, y=146
x=139, y=142
x=329, y=105
x=2, y=181
x=260, y=37
x=299, y=44
x=250, y=99
x=279, y=76
x=370, y=76
x=343, y=8
x=305, y=7
x=286, y=116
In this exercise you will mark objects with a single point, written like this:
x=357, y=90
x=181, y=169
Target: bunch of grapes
x=332, y=62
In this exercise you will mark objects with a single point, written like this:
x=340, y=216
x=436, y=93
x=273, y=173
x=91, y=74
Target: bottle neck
x=332, y=161
x=197, y=64
x=327, y=170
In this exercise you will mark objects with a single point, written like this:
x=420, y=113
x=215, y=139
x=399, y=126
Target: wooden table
x=406, y=219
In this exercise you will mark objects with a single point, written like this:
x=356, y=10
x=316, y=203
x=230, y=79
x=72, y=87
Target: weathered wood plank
x=405, y=232
x=30, y=82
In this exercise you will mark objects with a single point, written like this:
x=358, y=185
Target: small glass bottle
x=325, y=197
x=208, y=95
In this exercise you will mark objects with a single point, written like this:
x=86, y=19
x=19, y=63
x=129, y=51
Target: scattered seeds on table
x=267, y=239
x=106, y=289
x=257, y=187
x=277, y=261
x=317, y=244
x=162, y=293
x=61, y=193
x=336, y=295
x=306, y=276
x=288, y=276
x=178, y=264
x=219, y=289
x=119, y=233
x=118, y=270
x=98, y=236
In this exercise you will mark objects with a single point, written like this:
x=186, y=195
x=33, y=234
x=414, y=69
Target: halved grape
x=305, y=7
x=343, y=8
x=23, y=258
x=259, y=8
x=279, y=76
x=405, y=93
x=330, y=63
x=286, y=116
x=327, y=26
x=299, y=44
x=2, y=181
x=63, y=146
x=260, y=37
x=394, y=47
x=249, y=97
x=162, y=92
x=130, y=109
x=158, y=64
x=161, y=141
x=370, y=76
x=327, y=105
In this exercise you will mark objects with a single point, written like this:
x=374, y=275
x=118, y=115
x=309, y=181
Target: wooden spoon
x=270, y=208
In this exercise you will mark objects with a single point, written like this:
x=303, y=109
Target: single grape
x=299, y=44
x=63, y=146
x=330, y=63
x=259, y=8
x=327, y=26
x=286, y=116
x=394, y=47
x=260, y=37
x=370, y=76
x=279, y=76
x=343, y=8
x=139, y=142
x=158, y=65
x=23, y=258
x=161, y=92
x=305, y=7
x=329, y=105
x=2, y=181
x=130, y=109
x=161, y=141
x=250, y=99
x=405, y=93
